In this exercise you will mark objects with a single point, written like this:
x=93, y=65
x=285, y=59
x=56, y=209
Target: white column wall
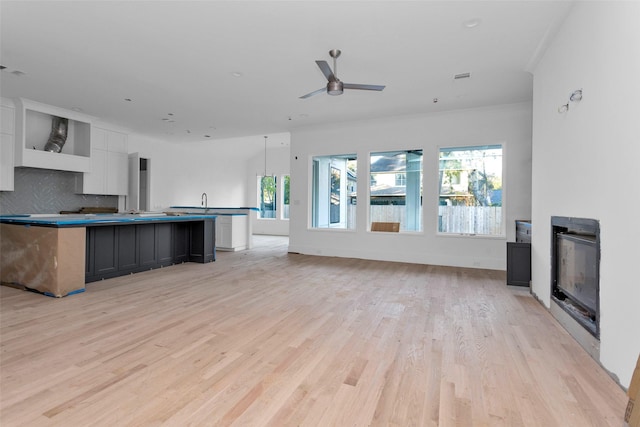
x=585, y=161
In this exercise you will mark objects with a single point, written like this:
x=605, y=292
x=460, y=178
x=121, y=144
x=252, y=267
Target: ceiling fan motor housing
x=335, y=88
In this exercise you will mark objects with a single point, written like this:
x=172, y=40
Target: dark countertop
x=84, y=220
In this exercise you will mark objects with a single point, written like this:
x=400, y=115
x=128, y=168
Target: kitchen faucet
x=204, y=201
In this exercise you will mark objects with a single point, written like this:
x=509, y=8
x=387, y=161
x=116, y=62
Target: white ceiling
x=179, y=57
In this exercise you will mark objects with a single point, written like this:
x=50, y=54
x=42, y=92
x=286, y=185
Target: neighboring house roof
x=386, y=190
x=389, y=164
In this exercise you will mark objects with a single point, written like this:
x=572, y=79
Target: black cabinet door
x=147, y=245
x=518, y=264
x=105, y=250
x=127, y=253
x=164, y=244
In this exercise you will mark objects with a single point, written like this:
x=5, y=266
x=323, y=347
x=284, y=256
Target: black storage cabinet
x=116, y=250
x=519, y=256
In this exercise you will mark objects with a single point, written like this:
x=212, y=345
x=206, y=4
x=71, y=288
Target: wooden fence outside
x=484, y=220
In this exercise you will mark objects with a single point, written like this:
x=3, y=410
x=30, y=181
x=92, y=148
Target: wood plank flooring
x=266, y=338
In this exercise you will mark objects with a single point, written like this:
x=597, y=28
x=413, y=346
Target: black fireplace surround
x=575, y=269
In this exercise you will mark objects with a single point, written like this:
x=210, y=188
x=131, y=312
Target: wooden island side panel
x=45, y=259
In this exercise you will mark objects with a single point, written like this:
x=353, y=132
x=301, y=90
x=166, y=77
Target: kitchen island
x=57, y=254
x=238, y=229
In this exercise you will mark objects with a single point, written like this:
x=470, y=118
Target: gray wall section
x=48, y=191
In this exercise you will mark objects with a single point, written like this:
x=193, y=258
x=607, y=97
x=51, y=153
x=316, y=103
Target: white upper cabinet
x=101, y=155
x=7, y=147
x=7, y=119
x=109, y=164
x=34, y=122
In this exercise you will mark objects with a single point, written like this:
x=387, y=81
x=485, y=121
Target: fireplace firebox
x=575, y=269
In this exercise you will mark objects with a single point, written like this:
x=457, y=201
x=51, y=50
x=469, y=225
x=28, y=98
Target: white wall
x=586, y=161
x=508, y=124
x=180, y=173
x=224, y=169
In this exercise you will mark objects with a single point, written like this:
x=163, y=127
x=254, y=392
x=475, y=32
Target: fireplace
x=575, y=270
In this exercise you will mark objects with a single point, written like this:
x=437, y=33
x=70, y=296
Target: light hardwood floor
x=266, y=338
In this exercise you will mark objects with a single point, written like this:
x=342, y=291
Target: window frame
x=314, y=195
x=283, y=178
x=419, y=215
x=504, y=183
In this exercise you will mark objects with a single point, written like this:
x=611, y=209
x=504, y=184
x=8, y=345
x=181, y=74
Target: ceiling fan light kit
x=334, y=85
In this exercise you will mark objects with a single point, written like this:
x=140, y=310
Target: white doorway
x=139, y=183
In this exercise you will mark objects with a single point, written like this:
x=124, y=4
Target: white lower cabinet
x=231, y=232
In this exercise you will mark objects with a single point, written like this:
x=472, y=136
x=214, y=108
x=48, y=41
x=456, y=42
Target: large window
x=396, y=188
x=267, y=197
x=470, y=200
x=273, y=197
x=333, y=192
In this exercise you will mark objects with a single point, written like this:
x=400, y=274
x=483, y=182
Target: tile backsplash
x=48, y=191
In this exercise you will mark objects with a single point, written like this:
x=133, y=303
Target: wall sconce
x=576, y=96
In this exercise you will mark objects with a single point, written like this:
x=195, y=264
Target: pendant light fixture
x=265, y=156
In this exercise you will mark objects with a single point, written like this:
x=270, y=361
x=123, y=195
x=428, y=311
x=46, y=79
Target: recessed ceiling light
x=462, y=76
x=472, y=23
x=128, y=99
x=236, y=74
x=207, y=136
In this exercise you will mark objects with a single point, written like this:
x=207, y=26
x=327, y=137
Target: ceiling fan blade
x=315, y=92
x=362, y=87
x=326, y=70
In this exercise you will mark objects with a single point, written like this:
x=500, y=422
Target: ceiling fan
x=334, y=85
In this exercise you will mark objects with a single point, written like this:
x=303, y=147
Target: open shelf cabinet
x=33, y=126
